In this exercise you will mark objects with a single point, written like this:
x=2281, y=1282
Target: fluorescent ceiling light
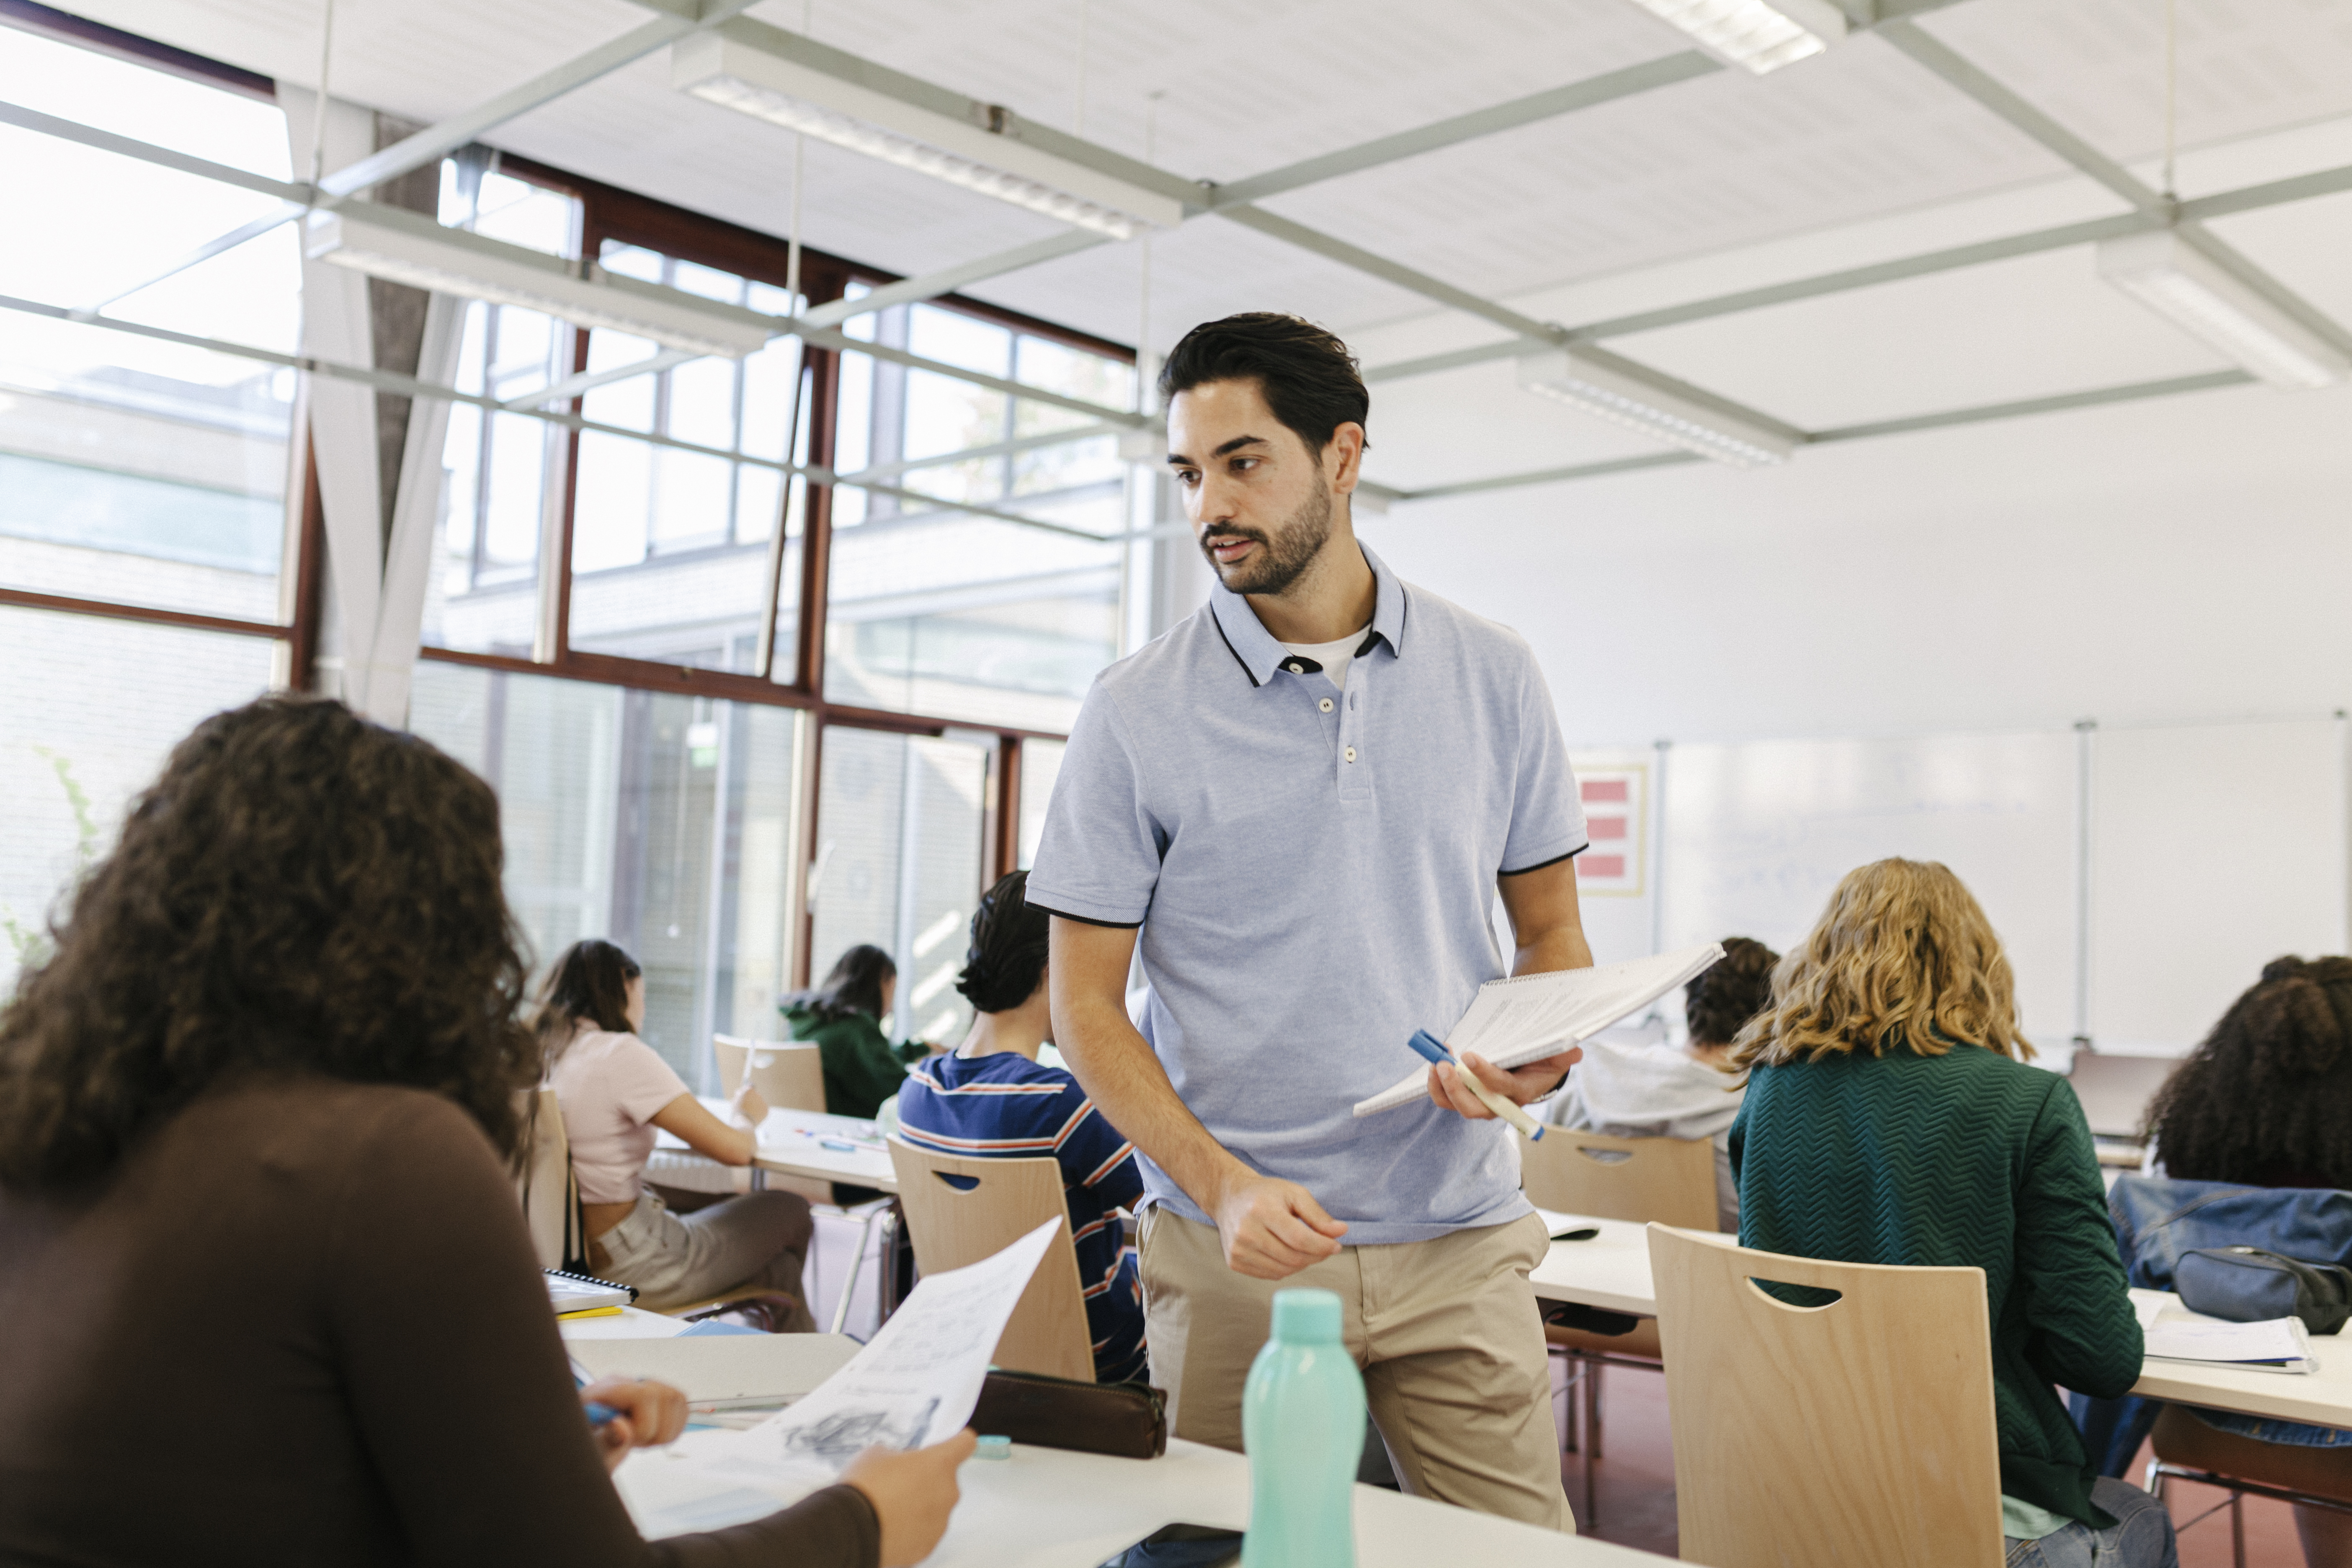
x=1586, y=382
x=1758, y=36
x=981, y=147
x=409, y=248
x=2186, y=287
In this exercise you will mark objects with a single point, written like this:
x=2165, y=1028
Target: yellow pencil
x=589, y=1313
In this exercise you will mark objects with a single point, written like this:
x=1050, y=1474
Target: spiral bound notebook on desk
x=582, y=1293
x=1525, y=1018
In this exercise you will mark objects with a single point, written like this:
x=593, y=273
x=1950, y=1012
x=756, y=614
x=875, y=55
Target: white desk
x=1611, y=1271
x=1046, y=1508
x=792, y=1143
x=2322, y=1397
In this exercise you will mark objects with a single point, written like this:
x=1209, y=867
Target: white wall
x=2179, y=559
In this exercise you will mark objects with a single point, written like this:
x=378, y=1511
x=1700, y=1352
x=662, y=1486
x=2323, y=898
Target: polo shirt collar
x=1256, y=651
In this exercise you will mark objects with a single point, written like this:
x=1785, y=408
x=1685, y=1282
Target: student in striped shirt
x=990, y=1098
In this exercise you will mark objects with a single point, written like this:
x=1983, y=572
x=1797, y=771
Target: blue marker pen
x=1432, y=1048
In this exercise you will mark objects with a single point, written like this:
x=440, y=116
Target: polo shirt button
x=1352, y=754
x=1325, y=705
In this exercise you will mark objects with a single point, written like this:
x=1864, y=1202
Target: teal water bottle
x=1303, y=1429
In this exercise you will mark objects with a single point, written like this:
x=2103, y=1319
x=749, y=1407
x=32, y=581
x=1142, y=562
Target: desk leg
x=759, y=1179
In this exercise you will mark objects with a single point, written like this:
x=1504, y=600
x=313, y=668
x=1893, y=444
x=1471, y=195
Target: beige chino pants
x=1447, y=1333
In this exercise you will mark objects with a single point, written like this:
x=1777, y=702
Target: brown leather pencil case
x=1127, y=1420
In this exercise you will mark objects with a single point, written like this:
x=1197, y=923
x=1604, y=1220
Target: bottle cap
x=994, y=1448
x=1306, y=1316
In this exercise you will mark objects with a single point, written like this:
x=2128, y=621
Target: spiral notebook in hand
x=1530, y=1016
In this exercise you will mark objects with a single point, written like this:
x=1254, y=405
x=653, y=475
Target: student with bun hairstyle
x=1891, y=1117
x=269, y=1297
x=1668, y=1091
x=615, y=1090
x=991, y=1099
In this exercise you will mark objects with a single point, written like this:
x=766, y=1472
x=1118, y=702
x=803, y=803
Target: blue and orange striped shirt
x=1006, y=1107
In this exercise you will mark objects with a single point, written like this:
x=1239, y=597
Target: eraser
x=994, y=1448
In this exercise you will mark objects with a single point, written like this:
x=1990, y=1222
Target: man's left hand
x=1533, y=1081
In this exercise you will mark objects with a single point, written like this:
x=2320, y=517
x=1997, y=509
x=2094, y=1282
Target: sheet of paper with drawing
x=915, y=1384
x=1516, y=1021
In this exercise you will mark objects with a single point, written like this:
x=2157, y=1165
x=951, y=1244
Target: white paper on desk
x=1525, y=1018
x=2279, y=1340
x=917, y=1379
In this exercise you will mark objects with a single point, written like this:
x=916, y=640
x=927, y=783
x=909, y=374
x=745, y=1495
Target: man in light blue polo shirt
x=1303, y=800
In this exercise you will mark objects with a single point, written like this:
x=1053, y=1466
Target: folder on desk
x=2276, y=1345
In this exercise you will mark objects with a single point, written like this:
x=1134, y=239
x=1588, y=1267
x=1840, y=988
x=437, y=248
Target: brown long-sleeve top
x=301, y=1323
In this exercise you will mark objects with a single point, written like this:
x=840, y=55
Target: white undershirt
x=1334, y=656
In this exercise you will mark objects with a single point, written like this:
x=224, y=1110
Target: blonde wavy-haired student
x=1891, y=1117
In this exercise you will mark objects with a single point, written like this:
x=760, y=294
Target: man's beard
x=1283, y=557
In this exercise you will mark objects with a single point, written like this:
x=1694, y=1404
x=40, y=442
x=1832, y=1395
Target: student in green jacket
x=1891, y=1118
x=843, y=1018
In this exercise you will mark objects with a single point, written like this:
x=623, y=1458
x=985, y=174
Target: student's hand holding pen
x=625, y=1413
x=746, y=1106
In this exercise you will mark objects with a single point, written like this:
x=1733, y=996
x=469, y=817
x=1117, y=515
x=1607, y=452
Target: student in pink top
x=615, y=1090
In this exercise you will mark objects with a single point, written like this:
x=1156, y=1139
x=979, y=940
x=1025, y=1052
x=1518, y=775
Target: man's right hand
x=1271, y=1229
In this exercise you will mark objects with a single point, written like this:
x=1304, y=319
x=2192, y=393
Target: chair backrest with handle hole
x=1859, y=1431
x=550, y=1197
x=961, y=1210
x=789, y=1074
x=1670, y=1180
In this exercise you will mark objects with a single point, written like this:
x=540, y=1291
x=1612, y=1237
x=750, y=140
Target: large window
x=766, y=657
x=133, y=469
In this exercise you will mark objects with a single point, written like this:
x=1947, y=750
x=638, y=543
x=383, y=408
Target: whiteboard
x=2214, y=849
x=1756, y=833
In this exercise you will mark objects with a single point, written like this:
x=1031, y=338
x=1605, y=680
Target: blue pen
x=1430, y=1047
x=599, y=1413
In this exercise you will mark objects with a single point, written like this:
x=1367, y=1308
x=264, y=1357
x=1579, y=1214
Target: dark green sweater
x=1966, y=1158
x=862, y=1067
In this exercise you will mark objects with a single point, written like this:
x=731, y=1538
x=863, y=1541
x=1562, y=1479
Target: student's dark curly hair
x=1721, y=1000
x=2270, y=1090
x=300, y=892
x=1007, y=956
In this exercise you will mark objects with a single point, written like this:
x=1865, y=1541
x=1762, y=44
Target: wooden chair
x=1669, y=1180
x=551, y=1196
x=1860, y=1431
x=954, y=1225
x=789, y=1074
x=2186, y=1449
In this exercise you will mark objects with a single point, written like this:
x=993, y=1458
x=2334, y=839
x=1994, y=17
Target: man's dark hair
x=589, y=985
x=2267, y=1100
x=1307, y=375
x=302, y=892
x=1724, y=997
x=855, y=986
x=1007, y=956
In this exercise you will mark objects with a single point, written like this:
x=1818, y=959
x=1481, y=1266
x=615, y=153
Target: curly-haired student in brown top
x=267, y=1291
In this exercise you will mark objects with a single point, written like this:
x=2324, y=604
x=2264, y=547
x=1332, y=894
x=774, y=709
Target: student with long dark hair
x=615, y=1090
x=990, y=1098
x=261, y=1262
x=843, y=1018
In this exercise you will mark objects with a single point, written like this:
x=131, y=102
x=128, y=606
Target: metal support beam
x=1364, y=262
x=1941, y=60
x=1125, y=418
x=948, y=279
x=1548, y=104
x=572, y=386
x=148, y=152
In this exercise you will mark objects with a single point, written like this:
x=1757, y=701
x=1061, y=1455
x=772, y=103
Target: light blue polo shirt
x=1312, y=871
